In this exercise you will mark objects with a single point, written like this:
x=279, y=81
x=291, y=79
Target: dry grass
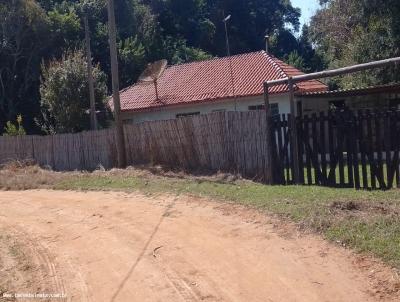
x=25, y=175
x=159, y=171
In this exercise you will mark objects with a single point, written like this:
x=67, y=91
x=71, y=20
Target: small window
x=187, y=114
x=219, y=110
x=256, y=107
x=273, y=107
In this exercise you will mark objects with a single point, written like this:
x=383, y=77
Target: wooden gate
x=343, y=149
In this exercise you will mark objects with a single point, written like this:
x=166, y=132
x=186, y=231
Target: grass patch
x=368, y=221
x=379, y=236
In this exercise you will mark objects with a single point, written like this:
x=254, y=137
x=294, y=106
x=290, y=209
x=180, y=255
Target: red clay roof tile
x=210, y=80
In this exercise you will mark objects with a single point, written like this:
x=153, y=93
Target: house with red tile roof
x=221, y=84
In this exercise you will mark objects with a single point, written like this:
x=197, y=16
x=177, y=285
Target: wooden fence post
x=268, y=125
x=293, y=133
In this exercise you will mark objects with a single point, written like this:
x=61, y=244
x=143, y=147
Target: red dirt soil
x=108, y=246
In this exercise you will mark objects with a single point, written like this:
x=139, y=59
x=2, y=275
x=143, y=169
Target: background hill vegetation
x=36, y=34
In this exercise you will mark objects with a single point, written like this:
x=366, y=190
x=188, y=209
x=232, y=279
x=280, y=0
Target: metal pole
x=268, y=161
x=228, y=50
x=293, y=133
x=336, y=72
x=115, y=86
x=93, y=118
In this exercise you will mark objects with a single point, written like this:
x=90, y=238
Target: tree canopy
x=39, y=31
x=348, y=32
x=24, y=32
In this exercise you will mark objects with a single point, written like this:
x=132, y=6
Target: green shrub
x=14, y=130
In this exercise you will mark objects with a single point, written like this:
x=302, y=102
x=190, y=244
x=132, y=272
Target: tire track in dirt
x=46, y=277
x=51, y=275
x=189, y=290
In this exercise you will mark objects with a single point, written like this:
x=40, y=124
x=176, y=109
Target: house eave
x=205, y=101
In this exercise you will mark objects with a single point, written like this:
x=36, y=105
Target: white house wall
x=209, y=107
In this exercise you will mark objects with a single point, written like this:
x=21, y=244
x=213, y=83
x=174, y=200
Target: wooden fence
x=345, y=149
x=63, y=152
x=222, y=141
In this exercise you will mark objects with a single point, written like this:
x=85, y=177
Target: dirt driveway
x=104, y=246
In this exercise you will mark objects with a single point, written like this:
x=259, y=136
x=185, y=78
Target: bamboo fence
x=222, y=141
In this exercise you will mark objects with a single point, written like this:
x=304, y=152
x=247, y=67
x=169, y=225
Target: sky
x=308, y=8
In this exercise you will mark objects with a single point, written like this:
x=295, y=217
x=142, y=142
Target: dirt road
x=104, y=246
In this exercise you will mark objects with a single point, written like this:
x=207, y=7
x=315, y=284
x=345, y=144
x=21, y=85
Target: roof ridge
x=272, y=60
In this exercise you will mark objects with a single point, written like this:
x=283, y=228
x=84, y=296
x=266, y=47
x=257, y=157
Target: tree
x=132, y=60
x=296, y=60
x=23, y=39
x=298, y=52
x=65, y=94
x=313, y=61
x=184, y=19
x=65, y=29
x=282, y=43
x=199, y=22
x=349, y=32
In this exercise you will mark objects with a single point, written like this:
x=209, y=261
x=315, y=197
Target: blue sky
x=308, y=8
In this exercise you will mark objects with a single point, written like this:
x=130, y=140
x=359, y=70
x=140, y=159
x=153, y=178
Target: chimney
x=266, y=44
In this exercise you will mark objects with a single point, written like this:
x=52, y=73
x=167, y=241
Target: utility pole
x=228, y=50
x=93, y=118
x=115, y=87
